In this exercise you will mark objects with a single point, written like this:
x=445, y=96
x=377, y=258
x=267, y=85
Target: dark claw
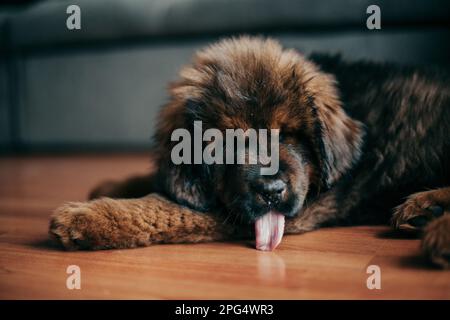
x=436, y=211
x=419, y=221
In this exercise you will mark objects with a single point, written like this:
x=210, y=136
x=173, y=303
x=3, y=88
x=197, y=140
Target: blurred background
x=100, y=88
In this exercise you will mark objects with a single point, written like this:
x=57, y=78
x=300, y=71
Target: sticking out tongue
x=269, y=230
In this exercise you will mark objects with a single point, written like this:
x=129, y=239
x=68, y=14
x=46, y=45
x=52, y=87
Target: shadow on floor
x=412, y=261
x=397, y=235
x=46, y=244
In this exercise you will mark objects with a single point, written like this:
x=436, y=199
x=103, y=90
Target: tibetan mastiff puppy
x=359, y=143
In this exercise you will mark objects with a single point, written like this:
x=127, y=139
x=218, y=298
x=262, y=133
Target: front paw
x=416, y=212
x=436, y=241
x=71, y=226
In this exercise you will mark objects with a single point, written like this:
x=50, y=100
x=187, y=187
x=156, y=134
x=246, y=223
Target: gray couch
x=101, y=87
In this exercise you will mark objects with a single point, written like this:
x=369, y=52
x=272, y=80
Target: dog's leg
x=126, y=223
x=436, y=241
x=420, y=208
x=132, y=187
x=341, y=205
x=321, y=211
x=428, y=211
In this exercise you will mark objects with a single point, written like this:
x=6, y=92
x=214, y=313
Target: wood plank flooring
x=326, y=264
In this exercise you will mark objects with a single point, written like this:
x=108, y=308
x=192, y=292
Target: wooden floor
x=329, y=263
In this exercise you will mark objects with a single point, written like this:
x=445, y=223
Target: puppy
x=356, y=140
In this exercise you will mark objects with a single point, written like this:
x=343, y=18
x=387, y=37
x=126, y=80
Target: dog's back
x=406, y=111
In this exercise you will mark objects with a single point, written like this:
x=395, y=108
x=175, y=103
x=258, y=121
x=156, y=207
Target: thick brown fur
x=358, y=138
x=107, y=223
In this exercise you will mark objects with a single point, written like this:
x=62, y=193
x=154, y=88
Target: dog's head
x=253, y=83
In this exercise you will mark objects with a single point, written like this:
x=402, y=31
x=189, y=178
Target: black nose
x=271, y=191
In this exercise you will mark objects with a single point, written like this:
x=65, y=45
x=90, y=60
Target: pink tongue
x=269, y=231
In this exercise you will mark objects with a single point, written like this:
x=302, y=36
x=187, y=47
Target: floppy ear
x=338, y=137
x=184, y=183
